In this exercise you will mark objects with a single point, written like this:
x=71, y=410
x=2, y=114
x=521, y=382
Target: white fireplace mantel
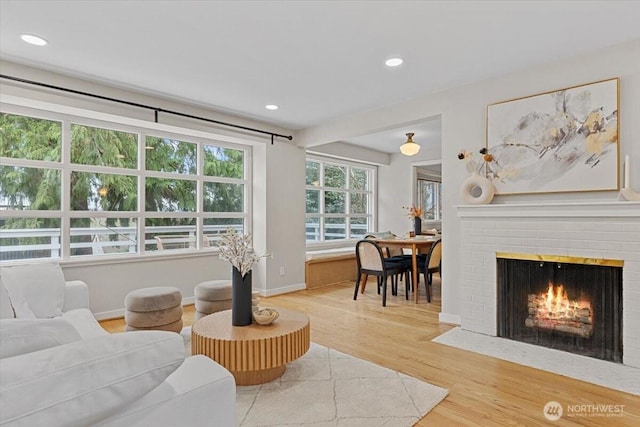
x=588, y=209
x=602, y=229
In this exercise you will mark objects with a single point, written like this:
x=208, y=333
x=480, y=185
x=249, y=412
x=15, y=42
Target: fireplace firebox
x=565, y=303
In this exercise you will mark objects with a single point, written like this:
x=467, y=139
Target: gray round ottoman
x=212, y=296
x=158, y=308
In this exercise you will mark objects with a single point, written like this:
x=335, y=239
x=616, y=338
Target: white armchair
x=38, y=291
x=76, y=295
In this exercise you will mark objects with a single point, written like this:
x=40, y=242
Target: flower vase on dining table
x=240, y=298
x=417, y=225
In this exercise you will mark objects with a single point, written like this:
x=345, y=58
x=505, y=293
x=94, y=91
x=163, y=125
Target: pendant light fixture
x=409, y=148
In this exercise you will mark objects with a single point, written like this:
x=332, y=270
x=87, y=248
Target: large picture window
x=73, y=187
x=339, y=200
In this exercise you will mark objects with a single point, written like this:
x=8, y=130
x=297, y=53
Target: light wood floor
x=483, y=391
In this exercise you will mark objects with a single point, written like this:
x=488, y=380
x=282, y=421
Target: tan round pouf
x=171, y=327
x=158, y=308
x=212, y=296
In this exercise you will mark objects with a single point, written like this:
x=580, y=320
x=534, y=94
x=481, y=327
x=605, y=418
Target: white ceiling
x=318, y=60
x=426, y=134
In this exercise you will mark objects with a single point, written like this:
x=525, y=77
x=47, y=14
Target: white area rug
x=329, y=388
x=596, y=371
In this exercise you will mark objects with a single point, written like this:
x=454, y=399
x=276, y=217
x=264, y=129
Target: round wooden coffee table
x=254, y=354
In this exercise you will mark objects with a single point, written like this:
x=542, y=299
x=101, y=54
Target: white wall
x=463, y=126
x=279, y=217
x=109, y=282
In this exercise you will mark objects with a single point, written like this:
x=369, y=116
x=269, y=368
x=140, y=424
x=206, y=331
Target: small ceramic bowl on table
x=265, y=316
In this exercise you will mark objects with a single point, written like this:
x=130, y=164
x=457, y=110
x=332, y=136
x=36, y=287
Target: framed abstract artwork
x=560, y=141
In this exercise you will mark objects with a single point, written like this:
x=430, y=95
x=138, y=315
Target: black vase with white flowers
x=236, y=248
x=240, y=298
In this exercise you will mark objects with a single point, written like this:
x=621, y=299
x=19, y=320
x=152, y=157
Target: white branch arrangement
x=472, y=165
x=236, y=249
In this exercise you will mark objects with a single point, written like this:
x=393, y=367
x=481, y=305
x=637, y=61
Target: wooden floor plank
x=483, y=391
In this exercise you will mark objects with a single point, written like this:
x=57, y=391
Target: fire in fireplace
x=555, y=311
x=566, y=303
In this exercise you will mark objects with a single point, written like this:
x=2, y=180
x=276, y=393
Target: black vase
x=417, y=225
x=240, y=298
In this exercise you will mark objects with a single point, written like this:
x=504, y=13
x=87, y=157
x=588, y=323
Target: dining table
x=416, y=243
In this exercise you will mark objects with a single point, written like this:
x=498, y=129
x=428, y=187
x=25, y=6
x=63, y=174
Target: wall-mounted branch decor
x=559, y=141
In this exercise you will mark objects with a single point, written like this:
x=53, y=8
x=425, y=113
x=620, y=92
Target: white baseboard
x=282, y=290
x=454, y=319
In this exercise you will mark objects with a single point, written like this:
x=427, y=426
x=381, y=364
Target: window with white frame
x=72, y=187
x=429, y=199
x=339, y=200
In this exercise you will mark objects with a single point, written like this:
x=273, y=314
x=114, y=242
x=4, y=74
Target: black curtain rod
x=148, y=107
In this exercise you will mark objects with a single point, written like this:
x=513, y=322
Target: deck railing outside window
x=16, y=244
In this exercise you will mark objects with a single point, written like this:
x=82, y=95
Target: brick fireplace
x=594, y=230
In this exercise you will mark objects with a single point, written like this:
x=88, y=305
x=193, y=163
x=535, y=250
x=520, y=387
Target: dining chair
x=395, y=254
x=371, y=261
x=431, y=265
x=364, y=282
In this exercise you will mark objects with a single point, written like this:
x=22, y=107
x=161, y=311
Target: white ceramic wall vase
x=476, y=190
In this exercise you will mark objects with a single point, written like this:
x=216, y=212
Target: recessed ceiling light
x=393, y=62
x=32, y=39
x=271, y=107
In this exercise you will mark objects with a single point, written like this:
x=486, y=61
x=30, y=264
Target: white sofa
x=67, y=371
